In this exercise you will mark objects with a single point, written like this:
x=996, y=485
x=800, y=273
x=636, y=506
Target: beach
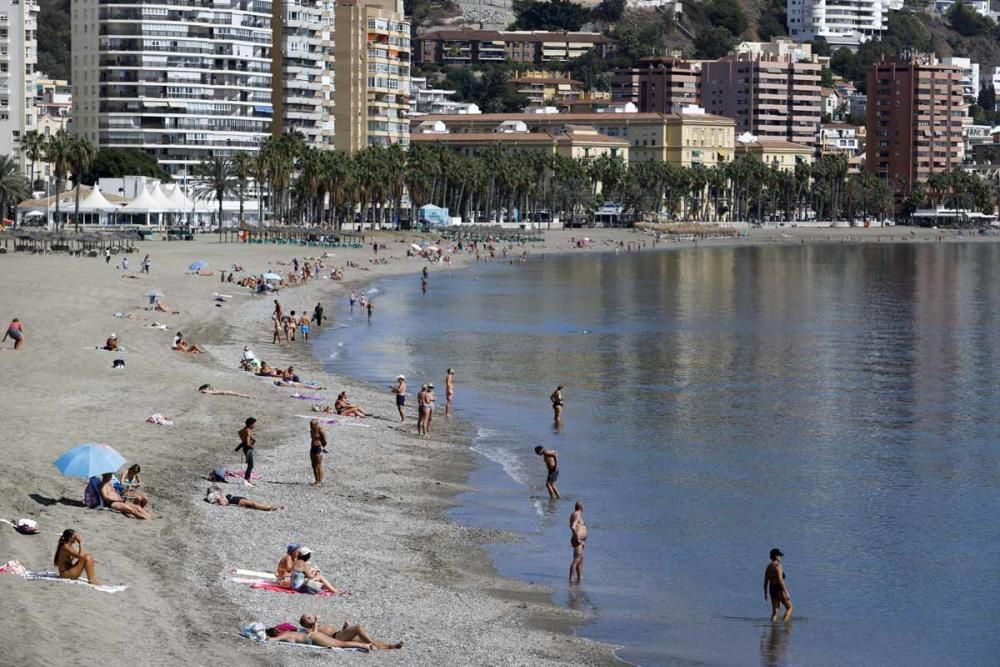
x=377, y=525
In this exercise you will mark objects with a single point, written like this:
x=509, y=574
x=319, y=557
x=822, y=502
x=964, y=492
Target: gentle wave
x=486, y=444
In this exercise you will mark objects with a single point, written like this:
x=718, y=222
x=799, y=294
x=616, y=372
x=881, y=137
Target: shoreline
x=179, y=608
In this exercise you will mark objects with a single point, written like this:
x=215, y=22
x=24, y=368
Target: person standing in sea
x=353, y=299
x=246, y=445
x=400, y=391
x=449, y=391
x=774, y=584
x=577, y=540
x=421, y=410
x=371, y=307
x=551, y=458
x=318, y=314
x=557, y=404
x=429, y=400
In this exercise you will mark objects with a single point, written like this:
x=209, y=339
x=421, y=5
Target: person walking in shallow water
x=551, y=458
x=449, y=391
x=774, y=585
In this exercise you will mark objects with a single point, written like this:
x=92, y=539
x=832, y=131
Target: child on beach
x=15, y=332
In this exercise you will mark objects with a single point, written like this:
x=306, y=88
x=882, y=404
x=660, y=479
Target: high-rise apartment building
x=659, y=85
x=183, y=80
x=914, y=128
x=771, y=97
x=372, y=79
x=302, y=69
x=840, y=22
x=18, y=56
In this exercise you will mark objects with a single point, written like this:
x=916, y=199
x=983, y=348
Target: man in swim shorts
x=400, y=391
x=551, y=458
x=577, y=540
x=774, y=585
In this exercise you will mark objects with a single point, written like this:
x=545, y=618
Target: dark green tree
x=118, y=162
x=714, y=42
x=553, y=15
x=967, y=22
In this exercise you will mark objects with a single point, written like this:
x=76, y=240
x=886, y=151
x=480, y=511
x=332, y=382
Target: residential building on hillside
x=831, y=102
x=18, y=57
x=546, y=87
x=771, y=97
x=838, y=139
x=182, y=80
x=301, y=69
x=425, y=100
x=659, y=85
x=779, y=47
x=475, y=47
x=784, y=155
x=970, y=76
x=915, y=110
x=682, y=139
x=372, y=76
x=842, y=23
x=972, y=136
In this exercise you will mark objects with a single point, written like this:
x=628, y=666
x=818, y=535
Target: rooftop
x=582, y=118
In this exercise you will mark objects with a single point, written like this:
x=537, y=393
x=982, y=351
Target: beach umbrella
x=89, y=460
x=272, y=276
x=154, y=294
x=198, y=266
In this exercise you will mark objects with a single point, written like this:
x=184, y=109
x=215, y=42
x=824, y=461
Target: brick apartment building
x=914, y=128
x=770, y=96
x=475, y=47
x=658, y=85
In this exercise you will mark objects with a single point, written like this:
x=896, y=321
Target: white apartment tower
x=183, y=80
x=18, y=57
x=843, y=23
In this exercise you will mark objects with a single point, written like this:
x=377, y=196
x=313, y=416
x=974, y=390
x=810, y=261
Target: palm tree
x=12, y=185
x=33, y=145
x=215, y=179
x=57, y=154
x=243, y=167
x=81, y=154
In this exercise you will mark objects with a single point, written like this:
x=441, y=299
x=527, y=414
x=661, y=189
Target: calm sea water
x=838, y=402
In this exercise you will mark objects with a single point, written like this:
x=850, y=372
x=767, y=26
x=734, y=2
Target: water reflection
x=774, y=644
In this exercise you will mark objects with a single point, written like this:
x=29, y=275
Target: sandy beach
x=377, y=525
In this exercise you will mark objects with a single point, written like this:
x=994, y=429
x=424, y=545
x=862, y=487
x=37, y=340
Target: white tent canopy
x=144, y=203
x=95, y=202
x=161, y=202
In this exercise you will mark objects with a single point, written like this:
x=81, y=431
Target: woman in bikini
x=345, y=409
x=317, y=447
x=212, y=391
x=15, y=332
x=130, y=486
x=71, y=560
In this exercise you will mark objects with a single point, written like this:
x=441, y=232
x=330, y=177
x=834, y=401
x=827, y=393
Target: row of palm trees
x=67, y=154
x=306, y=185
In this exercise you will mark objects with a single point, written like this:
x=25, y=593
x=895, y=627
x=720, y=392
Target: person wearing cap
x=111, y=344
x=400, y=391
x=287, y=561
x=422, y=409
x=774, y=585
x=304, y=577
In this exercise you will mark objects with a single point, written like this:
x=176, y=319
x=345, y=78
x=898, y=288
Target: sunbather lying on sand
x=111, y=344
x=295, y=572
x=313, y=638
x=71, y=560
x=302, y=385
x=268, y=371
x=215, y=497
x=164, y=308
x=113, y=500
x=345, y=633
x=183, y=346
x=212, y=391
x=343, y=407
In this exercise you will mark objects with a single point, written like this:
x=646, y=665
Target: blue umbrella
x=272, y=276
x=198, y=266
x=89, y=460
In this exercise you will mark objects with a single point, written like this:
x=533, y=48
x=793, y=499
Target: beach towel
x=16, y=568
x=294, y=645
x=275, y=587
x=159, y=419
x=335, y=422
x=23, y=526
x=238, y=474
x=307, y=397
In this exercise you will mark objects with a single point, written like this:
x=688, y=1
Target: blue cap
x=293, y=547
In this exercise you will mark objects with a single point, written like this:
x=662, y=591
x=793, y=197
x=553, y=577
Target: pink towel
x=278, y=588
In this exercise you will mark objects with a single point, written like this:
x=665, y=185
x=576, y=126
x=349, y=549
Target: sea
x=836, y=401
